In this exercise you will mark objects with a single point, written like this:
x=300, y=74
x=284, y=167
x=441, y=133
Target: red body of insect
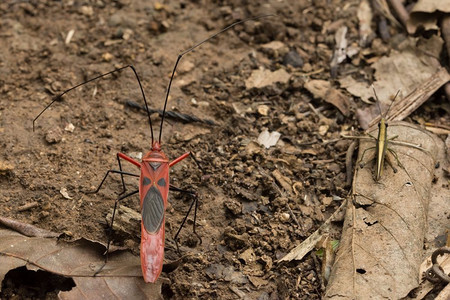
x=153, y=192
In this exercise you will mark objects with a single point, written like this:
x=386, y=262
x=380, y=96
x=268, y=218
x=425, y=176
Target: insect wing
x=153, y=190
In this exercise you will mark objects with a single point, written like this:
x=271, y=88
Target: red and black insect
x=153, y=180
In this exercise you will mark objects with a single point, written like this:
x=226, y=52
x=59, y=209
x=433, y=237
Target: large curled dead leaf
x=393, y=73
x=121, y=278
x=382, y=242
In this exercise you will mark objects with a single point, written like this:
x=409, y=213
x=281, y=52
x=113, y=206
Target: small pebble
x=293, y=58
x=69, y=127
x=263, y=110
x=284, y=217
x=54, y=135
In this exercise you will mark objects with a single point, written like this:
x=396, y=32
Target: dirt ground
x=246, y=192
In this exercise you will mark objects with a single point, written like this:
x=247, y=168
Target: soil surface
x=255, y=204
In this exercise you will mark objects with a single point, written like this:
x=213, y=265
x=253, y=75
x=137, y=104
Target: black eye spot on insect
x=162, y=182
x=146, y=181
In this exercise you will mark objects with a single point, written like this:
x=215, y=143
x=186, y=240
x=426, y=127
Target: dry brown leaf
x=121, y=278
x=403, y=107
x=261, y=78
x=322, y=89
x=402, y=71
x=365, y=16
x=426, y=14
x=431, y=6
x=357, y=88
x=339, y=100
x=318, y=88
x=382, y=242
x=426, y=286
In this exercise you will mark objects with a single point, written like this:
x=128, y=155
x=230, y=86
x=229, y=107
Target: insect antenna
x=56, y=98
x=378, y=102
x=189, y=50
x=393, y=100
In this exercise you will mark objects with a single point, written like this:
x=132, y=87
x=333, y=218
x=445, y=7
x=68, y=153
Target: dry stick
x=307, y=245
x=382, y=8
x=282, y=193
x=416, y=98
x=445, y=29
x=27, y=206
x=400, y=11
x=26, y=229
x=172, y=114
x=349, y=162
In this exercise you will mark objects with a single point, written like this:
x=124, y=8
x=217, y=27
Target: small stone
x=54, y=135
x=263, y=110
x=323, y=129
x=64, y=193
x=135, y=155
x=214, y=271
x=284, y=217
x=127, y=33
x=307, y=68
x=158, y=6
x=327, y=201
x=274, y=45
x=293, y=58
x=248, y=256
x=87, y=10
x=233, y=206
x=5, y=167
x=334, y=167
x=115, y=20
x=69, y=127
x=185, y=67
x=107, y=56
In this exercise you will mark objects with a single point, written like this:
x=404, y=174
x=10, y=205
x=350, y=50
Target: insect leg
x=390, y=162
x=111, y=227
x=361, y=163
x=129, y=159
x=392, y=138
x=191, y=154
x=194, y=201
x=395, y=156
x=106, y=175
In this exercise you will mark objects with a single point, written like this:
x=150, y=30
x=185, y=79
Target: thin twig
x=349, y=162
x=172, y=114
x=282, y=193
